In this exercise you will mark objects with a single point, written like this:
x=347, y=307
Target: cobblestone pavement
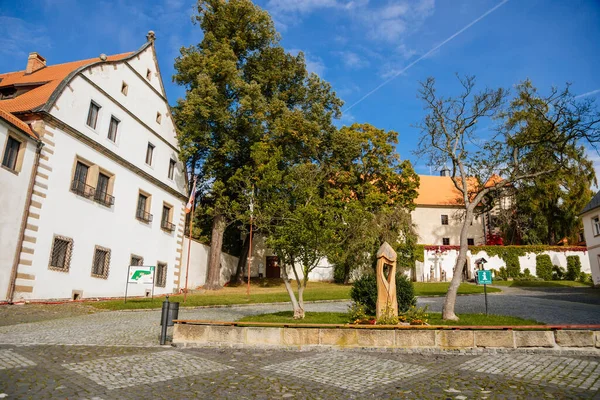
x=103, y=373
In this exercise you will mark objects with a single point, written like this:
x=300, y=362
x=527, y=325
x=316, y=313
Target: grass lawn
x=541, y=284
x=434, y=319
x=273, y=291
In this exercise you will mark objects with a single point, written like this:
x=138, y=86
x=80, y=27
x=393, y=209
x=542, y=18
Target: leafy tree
x=240, y=87
x=537, y=136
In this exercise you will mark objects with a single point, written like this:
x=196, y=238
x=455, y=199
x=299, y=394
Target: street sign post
x=485, y=277
x=140, y=274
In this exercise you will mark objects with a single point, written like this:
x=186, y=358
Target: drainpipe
x=13, y=274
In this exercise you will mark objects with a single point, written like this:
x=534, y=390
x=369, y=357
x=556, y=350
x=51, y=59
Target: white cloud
x=300, y=6
x=590, y=93
x=19, y=38
x=352, y=60
x=389, y=23
x=405, y=52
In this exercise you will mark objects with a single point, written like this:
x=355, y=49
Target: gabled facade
x=109, y=190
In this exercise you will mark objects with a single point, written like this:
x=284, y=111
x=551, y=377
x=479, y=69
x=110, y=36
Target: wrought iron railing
x=104, y=198
x=167, y=226
x=143, y=215
x=81, y=189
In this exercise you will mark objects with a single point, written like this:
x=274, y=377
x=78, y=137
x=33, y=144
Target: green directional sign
x=484, y=277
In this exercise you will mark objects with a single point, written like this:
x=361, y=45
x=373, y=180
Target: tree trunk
x=450, y=301
x=242, y=262
x=298, y=310
x=213, y=274
x=346, y=274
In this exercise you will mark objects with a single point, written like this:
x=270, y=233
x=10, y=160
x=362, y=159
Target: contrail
x=587, y=94
x=426, y=54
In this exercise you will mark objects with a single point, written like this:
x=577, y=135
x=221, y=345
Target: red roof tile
x=17, y=123
x=49, y=77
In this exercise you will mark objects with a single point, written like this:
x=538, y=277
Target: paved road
x=548, y=305
x=102, y=373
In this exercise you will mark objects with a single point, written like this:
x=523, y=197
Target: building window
x=11, y=153
x=160, y=279
x=80, y=179
x=143, y=208
x=596, y=226
x=93, y=112
x=446, y=241
x=136, y=260
x=167, y=216
x=102, y=195
x=90, y=182
x=158, y=117
x=60, y=254
x=101, y=262
x=148, y=74
x=172, y=164
x=471, y=242
x=149, y=153
x=124, y=88
x=112, y=129
x=444, y=220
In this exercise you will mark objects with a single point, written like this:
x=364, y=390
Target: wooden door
x=273, y=270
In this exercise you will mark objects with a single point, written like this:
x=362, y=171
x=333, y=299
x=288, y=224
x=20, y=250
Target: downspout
x=13, y=274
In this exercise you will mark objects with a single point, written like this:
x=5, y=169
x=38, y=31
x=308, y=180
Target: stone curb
x=190, y=334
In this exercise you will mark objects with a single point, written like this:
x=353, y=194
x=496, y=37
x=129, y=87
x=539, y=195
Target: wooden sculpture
x=386, y=285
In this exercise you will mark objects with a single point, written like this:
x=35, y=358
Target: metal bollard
x=164, y=318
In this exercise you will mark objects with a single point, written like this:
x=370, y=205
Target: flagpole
x=187, y=268
x=249, y=261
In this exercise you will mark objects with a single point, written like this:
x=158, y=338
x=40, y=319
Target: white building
x=109, y=190
x=591, y=227
x=439, y=214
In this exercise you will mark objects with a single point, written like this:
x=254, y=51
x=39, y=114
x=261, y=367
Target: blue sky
x=356, y=45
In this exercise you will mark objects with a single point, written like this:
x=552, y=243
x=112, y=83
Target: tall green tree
x=538, y=135
x=240, y=85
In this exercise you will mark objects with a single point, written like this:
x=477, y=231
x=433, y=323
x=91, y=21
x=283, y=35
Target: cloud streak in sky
x=593, y=92
x=433, y=50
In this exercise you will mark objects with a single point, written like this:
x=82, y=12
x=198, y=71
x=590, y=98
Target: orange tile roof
x=17, y=123
x=50, y=77
x=440, y=190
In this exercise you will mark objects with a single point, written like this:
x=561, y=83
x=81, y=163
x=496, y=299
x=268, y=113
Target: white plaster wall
x=132, y=137
x=447, y=260
x=144, y=61
x=13, y=195
x=89, y=224
x=199, y=255
x=429, y=228
x=593, y=244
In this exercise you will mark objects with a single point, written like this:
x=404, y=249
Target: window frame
x=160, y=275
x=106, y=266
x=172, y=167
x=145, y=216
x=68, y=254
x=158, y=118
x=117, y=122
x=93, y=103
x=445, y=219
x=148, y=75
x=18, y=160
x=167, y=224
x=444, y=240
x=470, y=242
x=124, y=88
x=596, y=225
x=150, y=152
x=132, y=256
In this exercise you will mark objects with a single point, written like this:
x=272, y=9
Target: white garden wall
x=439, y=267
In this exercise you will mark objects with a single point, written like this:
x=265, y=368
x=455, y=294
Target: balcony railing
x=167, y=226
x=104, y=198
x=81, y=189
x=143, y=215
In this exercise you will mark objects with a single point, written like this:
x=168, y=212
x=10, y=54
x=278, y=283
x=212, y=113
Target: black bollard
x=164, y=319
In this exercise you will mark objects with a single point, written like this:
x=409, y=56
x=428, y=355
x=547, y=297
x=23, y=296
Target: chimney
x=445, y=171
x=35, y=62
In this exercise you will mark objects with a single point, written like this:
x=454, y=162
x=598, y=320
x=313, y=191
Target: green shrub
x=585, y=278
x=573, y=268
x=503, y=273
x=415, y=316
x=405, y=292
x=558, y=273
x=364, y=291
x=356, y=312
x=543, y=267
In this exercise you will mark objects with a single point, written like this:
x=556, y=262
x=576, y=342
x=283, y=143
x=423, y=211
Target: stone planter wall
x=189, y=334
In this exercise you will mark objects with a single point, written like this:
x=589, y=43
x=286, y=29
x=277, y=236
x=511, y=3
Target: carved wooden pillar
x=386, y=279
